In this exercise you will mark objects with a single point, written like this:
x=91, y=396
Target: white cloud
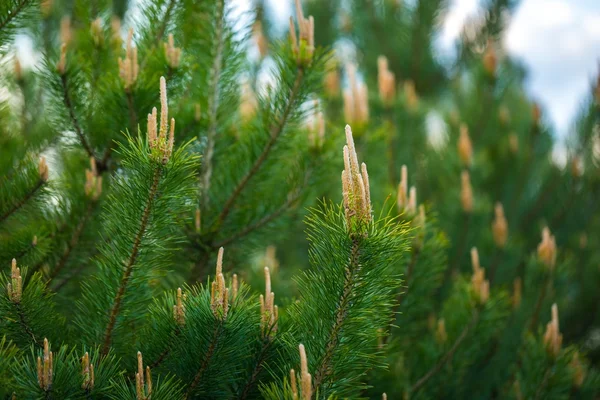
x=560, y=43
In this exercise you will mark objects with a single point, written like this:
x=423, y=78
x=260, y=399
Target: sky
x=557, y=40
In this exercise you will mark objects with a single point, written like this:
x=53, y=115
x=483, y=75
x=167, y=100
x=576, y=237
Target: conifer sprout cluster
x=140, y=258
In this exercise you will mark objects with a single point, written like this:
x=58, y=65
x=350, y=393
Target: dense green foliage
x=152, y=141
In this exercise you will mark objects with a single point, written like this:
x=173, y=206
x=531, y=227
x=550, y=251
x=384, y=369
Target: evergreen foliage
x=118, y=200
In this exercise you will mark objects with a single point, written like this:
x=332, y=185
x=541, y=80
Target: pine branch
x=274, y=133
x=69, y=105
x=73, y=242
x=409, y=272
x=161, y=357
x=257, y=369
x=261, y=222
x=207, y=357
x=23, y=201
x=14, y=13
x=543, y=383
x=132, y=259
x=25, y=325
x=538, y=304
x=214, y=98
x=160, y=33
x=446, y=357
x=323, y=371
x=165, y=21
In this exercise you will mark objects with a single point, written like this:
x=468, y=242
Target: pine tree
x=163, y=162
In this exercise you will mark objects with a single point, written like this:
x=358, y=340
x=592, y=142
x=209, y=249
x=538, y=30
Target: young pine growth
x=87, y=370
x=303, y=45
x=480, y=285
x=161, y=146
x=547, y=249
x=552, y=337
x=15, y=287
x=305, y=378
x=128, y=66
x=219, y=294
x=143, y=386
x=355, y=186
x=386, y=81
x=268, y=310
x=179, y=309
x=45, y=367
x=172, y=53
x=466, y=192
x=402, y=201
x=93, y=181
x=499, y=226
x=465, y=148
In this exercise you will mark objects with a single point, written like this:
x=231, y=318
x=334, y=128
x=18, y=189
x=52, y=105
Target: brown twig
x=323, y=371
x=69, y=104
x=24, y=200
x=73, y=242
x=538, y=304
x=257, y=369
x=209, y=353
x=129, y=266
x=447, y=356
x=25, y=325
x=214, y=97
x=274, y=133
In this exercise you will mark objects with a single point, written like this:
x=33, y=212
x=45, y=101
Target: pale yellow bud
x=260, y=39
x=18, y=70
x=332, y=80
x=46, y=7
x=161, y=143
x=480, y=286
x=87, y=370
x=45, y=368
x=466, y=192
x=43, y=169
x=402, y=201
x=386, y=81
x=172, y=53
x=500, y=226
x=547, y=249
x=305, y=378
x=303, y=45
x=465, y=149
x=552, y=336
x=355, y=185
x=15, y=286
x=128, y=66
x=65, y=30
x=293, y=384
x=179, y=309
x=490, y=60
x=62, y=61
